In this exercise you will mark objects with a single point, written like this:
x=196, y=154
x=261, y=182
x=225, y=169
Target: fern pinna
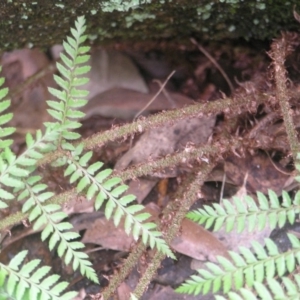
x=245, y=211
x=250, y=267
x=19, y=173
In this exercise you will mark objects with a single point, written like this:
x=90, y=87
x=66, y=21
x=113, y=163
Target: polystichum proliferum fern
x=18, y=178
x=249, y=267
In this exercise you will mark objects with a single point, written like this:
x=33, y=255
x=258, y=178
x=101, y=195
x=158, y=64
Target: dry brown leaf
x=198, y=243
x=29, y=107
x=193, y=241
x=123, y=291
x=262, y=174
x=141, y=188
x=125, y=104
x=167, y=139
x=103, y=232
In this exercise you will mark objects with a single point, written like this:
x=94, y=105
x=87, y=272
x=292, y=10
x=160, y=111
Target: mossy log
x=43, y=23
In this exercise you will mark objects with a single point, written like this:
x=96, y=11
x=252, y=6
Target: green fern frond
x=246, y=211
x=95, y=183
x=286, y=289
x=244, y=268
x=50, y=217
x=30, y=282
x=65, y=110
x=4, y=119
x=14, y=170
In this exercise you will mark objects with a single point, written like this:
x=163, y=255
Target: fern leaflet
x=285, y=289
x=245, y=268
x=96, y=184
x=4, y=104
x=26, y=283
x=50, y=217
x=65, y=110
x=245, y=212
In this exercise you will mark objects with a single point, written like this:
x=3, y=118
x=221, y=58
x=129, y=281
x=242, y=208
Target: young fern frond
x=95, y=183
x=245, y=268
x=30, y=282
x=65, y=110
x=247, y=212
x=285, y=289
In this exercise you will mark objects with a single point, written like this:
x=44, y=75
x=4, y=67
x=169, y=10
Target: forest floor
x=226, y=69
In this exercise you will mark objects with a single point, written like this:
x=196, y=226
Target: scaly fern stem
x=153, y=121
x=187, y=155
x=279, y=51
x=134, y=256
x=126, y=268
x=134, y=172
x=188, y=197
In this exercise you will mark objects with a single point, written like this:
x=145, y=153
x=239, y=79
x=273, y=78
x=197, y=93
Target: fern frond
x=286, y=289
x=50, y=217
x=65, y=110
x=95, y=183
x=4, y=119
x=245, y=268
x=31, y=282
x=14, y=170
x=246, y=211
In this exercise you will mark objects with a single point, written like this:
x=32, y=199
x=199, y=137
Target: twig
x=222, y=188
x=166, y=94
x=277, y=167
x=33, y=79
x=215, y=63
x=154, y=97
x=269, y=118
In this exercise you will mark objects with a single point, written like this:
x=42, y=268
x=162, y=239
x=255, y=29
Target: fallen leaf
x=167, y=139
x=103, y=232
x=198, y=243
x=262, y=174
x=29, y=107
x=193, y=241
x=141, y=188
x=123, y=291
x=125, y=103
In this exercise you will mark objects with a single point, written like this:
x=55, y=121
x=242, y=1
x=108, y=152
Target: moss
x=43, y=23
